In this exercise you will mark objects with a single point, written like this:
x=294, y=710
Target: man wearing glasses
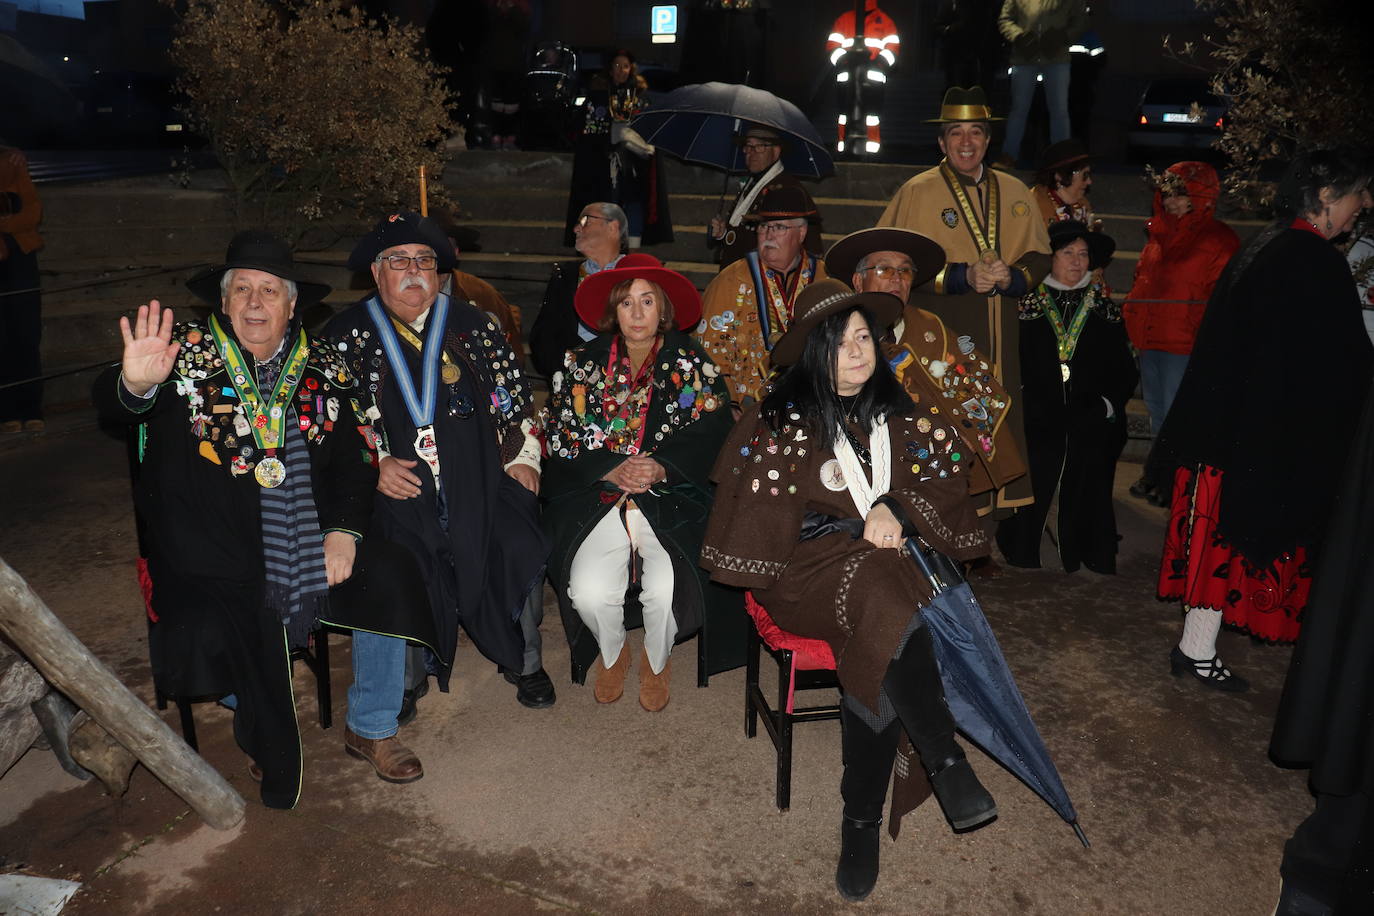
x=934, y=364
x=748, y=306
x=732, y=234
x=458, y=469
x=601, y=236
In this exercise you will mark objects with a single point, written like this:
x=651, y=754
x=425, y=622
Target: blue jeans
x=1023, y=79
x=374, y=698
x=1160, y=374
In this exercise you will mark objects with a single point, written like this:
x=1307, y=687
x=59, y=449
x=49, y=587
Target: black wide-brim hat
x=254, y=249
x=403, y=228
x=818, y=302
x=927, y=257
x=1063, y=154
x=961, y=104
x=1101, y=246
x=781, y=200
x=593, y=293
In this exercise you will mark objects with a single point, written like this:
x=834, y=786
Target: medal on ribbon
x=985, y=240
x=267, y=420
x=419, y=404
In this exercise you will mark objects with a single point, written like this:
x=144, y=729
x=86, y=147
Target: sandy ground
x=612, y=809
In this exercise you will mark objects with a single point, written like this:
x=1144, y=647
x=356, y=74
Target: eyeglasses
x=402, y=262
x=582, y=220
x=1085, y=172
x=883, y=271
x=777, y=228
x=753, y=147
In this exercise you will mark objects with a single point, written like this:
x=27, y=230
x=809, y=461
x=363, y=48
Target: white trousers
x=600, y=577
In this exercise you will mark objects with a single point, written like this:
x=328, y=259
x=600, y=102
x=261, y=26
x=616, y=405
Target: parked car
x=1176, y=113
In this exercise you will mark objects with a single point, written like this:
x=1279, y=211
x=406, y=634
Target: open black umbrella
x=982, y=694
x=699, y=123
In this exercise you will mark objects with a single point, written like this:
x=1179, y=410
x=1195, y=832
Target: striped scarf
x=292, y=545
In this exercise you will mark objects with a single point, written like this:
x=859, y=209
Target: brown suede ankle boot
x=653, y=688
x=610, y=682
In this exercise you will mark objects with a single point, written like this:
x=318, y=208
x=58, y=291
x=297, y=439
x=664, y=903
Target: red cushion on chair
x=807, y=653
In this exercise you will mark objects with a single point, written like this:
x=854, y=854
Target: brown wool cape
x=849, y=593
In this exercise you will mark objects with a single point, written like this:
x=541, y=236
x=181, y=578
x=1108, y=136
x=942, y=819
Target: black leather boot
x=868, y=757
x=913, y=686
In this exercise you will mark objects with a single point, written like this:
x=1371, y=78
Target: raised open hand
x=149, y=353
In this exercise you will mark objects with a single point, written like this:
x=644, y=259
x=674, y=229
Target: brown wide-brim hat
x=818, y=302
x=782, y=200
x=927, y=257
x=593, y=292
x=960, y=104
x=1101, y=246
x=254, y=249
x=403, y=228
x=1063, y=154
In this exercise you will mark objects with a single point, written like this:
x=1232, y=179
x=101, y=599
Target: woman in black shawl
x=1077, y=373
x=1262, y=419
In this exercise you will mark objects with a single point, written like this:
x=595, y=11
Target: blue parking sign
x=664, y=20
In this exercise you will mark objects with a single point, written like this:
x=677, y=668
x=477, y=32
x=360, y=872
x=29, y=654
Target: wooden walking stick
x=70, y=667
x=424, y=193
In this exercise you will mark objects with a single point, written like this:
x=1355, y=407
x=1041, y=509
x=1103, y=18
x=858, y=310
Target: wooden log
x=18, y=730
x=20, y=685
x=70, y=667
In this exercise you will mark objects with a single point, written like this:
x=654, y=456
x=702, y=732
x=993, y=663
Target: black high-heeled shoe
x=967, y=805
x=1210, y=671
x=857, y=872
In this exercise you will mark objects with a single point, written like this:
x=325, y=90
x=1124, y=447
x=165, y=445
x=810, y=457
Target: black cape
x=1326, y=714
x=1272, y=392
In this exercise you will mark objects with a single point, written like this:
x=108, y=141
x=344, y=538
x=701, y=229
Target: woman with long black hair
x=818, y=489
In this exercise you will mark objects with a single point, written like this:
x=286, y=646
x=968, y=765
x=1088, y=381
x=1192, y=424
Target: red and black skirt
x=1202, y=570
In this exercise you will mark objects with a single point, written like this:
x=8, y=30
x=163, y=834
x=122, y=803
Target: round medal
x=1065, y=371
x=270, y=472
x=449, y=373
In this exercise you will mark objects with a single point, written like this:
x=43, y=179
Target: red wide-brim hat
x=593, y=292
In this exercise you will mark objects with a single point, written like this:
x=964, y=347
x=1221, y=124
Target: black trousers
x=21, y=330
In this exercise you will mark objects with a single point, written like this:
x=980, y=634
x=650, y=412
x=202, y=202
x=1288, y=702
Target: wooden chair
x=803, y=664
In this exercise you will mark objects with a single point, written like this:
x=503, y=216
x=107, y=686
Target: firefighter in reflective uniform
x=852, y=65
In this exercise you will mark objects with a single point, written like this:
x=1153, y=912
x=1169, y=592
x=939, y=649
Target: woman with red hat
x=632, y=427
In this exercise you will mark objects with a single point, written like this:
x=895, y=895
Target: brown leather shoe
x=653, y=688
x=610, y=682
x=393, y=761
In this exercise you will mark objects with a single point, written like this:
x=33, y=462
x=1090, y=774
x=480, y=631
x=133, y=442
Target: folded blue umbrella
x=699, y=123
x=982, y=694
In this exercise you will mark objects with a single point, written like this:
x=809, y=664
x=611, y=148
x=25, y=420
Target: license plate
x=1178, y=117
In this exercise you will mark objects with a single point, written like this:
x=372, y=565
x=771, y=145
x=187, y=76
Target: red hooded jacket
x=1180, y=263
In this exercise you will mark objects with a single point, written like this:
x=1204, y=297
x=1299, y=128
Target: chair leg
x=323, y=693
x=784, y=730
x=703, y=676
x=188, y=723
x=751, y=683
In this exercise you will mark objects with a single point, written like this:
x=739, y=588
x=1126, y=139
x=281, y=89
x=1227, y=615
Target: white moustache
x=415, y=280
